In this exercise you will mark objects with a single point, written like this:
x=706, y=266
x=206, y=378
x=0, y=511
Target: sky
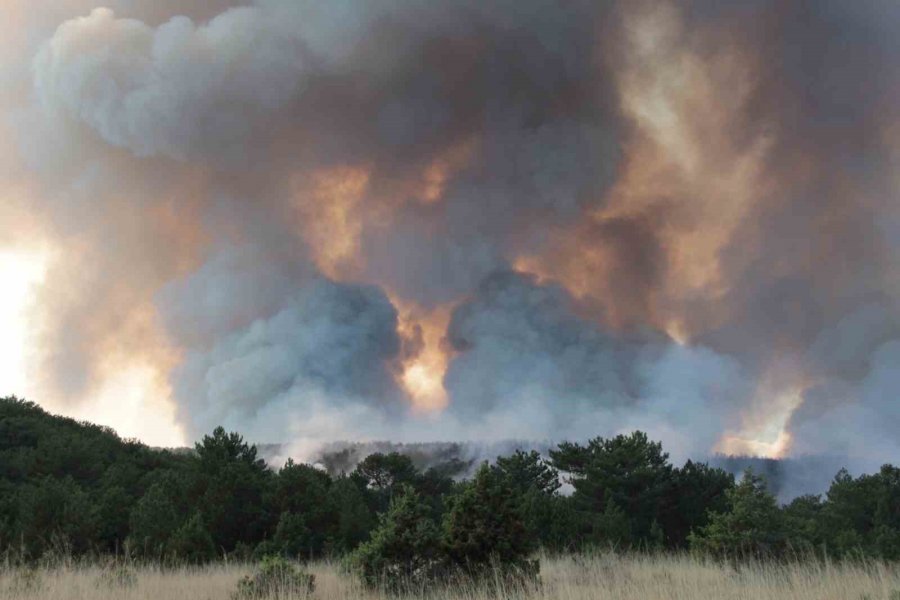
x=456, y=220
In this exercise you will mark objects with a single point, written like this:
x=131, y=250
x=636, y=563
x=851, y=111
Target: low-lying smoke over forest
x=786, y=478
x=460, y=221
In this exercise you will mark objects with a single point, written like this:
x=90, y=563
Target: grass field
x=571, y=578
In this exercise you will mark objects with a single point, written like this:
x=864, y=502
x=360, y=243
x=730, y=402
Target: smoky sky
x=558, y=219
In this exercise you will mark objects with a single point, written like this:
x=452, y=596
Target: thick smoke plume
x=467, y=220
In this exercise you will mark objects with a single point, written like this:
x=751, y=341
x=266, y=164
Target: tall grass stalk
x=601, y=576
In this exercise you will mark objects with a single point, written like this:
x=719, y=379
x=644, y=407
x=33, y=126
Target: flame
x=764, y=430
x=734, y=445
x=422, y=372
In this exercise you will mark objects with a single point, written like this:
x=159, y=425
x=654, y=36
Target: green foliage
x=552, y=520
x=292, y=539
x=55, y=514
x=862, y=516
x=802, y=519
x=483, y=528
x=234, y=482
x=309, y=515
x=752, y=527
x=276, y=578
x=656, y=540
x=528, y=471
x=113, y=515
x=68, y=486
x=73, y=489
x=191, y=543
x=697, y=490
x=613, y=527
x=383, y=475
x=354, y=519
x=631, y=471
x=153, y=521
x=404, y=551
x=482, y=536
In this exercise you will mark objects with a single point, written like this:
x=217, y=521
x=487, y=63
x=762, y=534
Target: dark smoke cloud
x=256, y=196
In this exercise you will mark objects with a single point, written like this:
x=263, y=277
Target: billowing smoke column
x=472, y=219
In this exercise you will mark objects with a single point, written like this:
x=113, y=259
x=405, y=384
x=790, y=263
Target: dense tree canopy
x=76, y=488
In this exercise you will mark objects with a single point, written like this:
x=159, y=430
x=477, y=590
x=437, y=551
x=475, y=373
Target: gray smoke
x=306, y=341
x=256, y=196
x=527, y=365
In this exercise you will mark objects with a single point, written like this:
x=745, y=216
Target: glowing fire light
x=765, y=434
x=422, y=374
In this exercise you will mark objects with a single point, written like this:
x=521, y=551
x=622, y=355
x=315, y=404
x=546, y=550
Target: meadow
x=575, y=577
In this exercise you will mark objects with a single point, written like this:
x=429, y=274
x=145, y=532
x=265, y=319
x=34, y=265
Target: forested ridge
x=78, y=489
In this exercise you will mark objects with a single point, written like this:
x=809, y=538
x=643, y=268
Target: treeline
x=78, y=489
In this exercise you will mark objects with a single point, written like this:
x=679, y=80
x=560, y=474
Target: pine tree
x=483, y=529
x=191, y=543
x=153, y=521
x=753, y=525
x=404, y=551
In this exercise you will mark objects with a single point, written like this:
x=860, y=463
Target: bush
x=153, y=520
x=753, y=526
x=192, y=543
x=483, y=532
x=404, y=550
x=276, y=578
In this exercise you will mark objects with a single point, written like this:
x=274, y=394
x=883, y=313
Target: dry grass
x=598, y=577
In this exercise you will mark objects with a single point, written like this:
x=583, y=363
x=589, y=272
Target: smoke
x=318, y=339
x=467, y=220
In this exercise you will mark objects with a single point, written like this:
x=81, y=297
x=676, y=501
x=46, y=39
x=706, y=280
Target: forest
x=75, y=489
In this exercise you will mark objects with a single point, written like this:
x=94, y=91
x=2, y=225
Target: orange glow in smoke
x=422, y=372
x=738, y=446
x=435, y=177
x=678, y=332
x=763, y=429
x=686, y=183
x=685, y=158
x=329, y=214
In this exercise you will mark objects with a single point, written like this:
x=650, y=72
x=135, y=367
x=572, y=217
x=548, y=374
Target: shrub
x=483, y=532
x=404, y=550
x=153, y=520
x=753, y=526
x=276, y=578
x=192, y=543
